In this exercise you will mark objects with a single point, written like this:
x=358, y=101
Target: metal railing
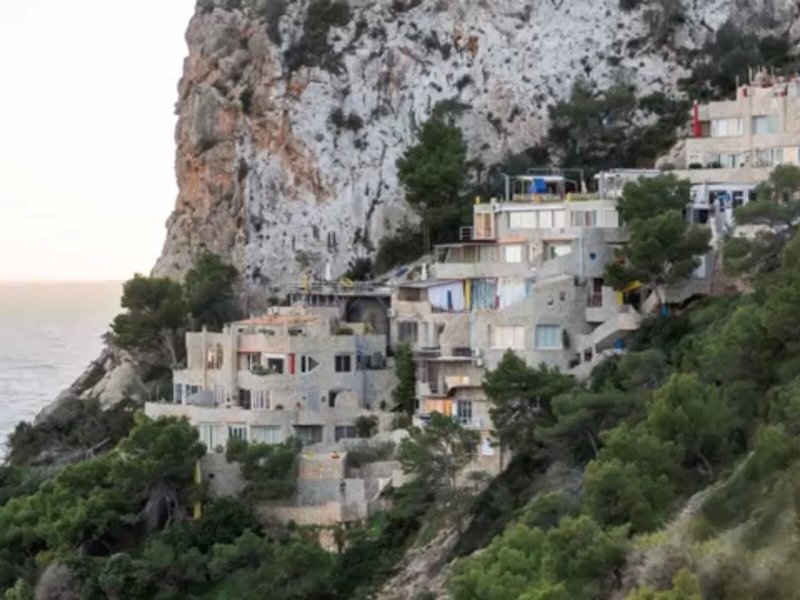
x=466, y=234
x=554, y=198
x=595, y=300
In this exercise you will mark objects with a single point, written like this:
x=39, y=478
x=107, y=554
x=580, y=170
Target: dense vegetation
x=160, y=310
x=663, y=249
x=705, y=400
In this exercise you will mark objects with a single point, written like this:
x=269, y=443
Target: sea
x=49, y=333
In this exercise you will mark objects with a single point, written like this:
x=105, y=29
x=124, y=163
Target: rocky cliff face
x=269, y=179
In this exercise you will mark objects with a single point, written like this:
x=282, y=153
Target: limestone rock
x=267, y=181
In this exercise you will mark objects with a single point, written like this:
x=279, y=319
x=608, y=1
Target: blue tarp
x=537, y=186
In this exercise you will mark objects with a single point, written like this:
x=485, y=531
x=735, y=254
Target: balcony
x=474, y=423
x=595, y=300
x=428, y=351
x=461, y=352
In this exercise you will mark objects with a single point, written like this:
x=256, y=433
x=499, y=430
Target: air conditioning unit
x=392, y=313
x=479, y=363
x=476, y=353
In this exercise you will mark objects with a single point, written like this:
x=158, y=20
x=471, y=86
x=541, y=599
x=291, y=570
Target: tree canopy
x=774, y=213
x=663, y=249
x=520, y=399
x=159, y=310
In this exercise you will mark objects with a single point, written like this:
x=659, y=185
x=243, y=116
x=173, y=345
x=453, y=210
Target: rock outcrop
x=287, y=137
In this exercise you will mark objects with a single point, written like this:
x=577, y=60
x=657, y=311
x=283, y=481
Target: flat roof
x=428, y=283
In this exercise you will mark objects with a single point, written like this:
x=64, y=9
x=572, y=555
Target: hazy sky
x=86, y=134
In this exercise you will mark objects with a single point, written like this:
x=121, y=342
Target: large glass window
x=345, y=432
x=464, y=411
x=726, y=127
x=207, y=437
x=407, y=332
x=523, y=220
x=584, y=218
x=502, y=338
x=308, y=434
x=237, y=432
x=266, y=434
x=548, y=337
x=768, y=157
x=260, y=400
x=765, y=124
x=513, y=253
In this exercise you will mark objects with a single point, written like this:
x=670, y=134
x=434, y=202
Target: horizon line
x=59, y=281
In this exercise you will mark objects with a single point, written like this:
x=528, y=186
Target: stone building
x=527, y=276
x=741, y=140
x=295, y=372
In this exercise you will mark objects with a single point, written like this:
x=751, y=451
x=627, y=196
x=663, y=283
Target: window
x=484, y=227
x=220, y=394
x=345, y=432
x=407, y=331
x=555, y=250
x=207, y=438
x=513, y=253
x=253, y=361
x=177, y=394
x=266, y=434
x=275, y=365
x=214, y=357
x=548, y=337
x=260, y=400
x=343, y=363
x=726, y=127
x=584, y=218
x=191, y=390
x=332, y=397
x=308, y=434
x=768, y=157
x=237, y=432
x=245, y=398
x=464, y=411
x=307, y=364
x=522, y=220
x=502, y=338
x=765, y=124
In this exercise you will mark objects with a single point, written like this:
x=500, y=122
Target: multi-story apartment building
x=741, y=140
x=527, y=276
x=295, y=372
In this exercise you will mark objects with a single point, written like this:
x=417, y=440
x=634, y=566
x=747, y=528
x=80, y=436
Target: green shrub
x=313, y=48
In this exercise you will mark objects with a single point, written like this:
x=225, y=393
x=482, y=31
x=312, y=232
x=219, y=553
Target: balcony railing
x=462, y=352
x=466, y=422
x=595, y=300
x=428, y=350
x=465, y=234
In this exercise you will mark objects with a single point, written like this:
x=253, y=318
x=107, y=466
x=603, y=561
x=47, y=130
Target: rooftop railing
x=555, y=198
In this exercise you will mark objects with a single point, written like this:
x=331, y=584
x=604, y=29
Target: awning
x=633, y=285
